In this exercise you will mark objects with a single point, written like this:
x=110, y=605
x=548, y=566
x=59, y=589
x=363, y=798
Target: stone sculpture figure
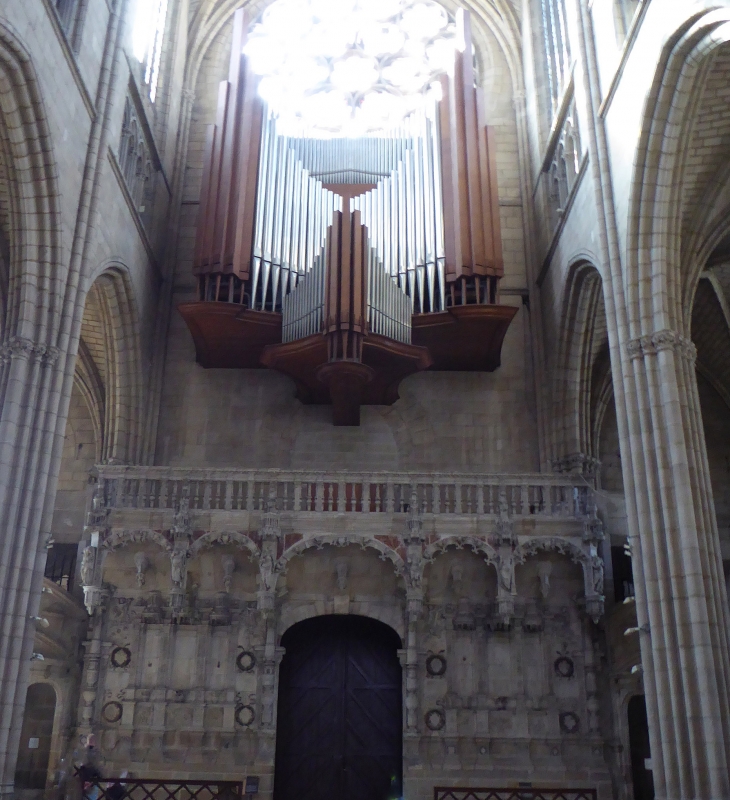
x=544, y=569
x=177, y=567
x=597, y=567
x=266, y=569
x=88, y=559
x=141, y=562
x=229, y=566
x=341, y=569
x=506, y=574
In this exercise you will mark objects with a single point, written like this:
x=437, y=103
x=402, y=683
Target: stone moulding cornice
x=654, y=343
x=21, y=347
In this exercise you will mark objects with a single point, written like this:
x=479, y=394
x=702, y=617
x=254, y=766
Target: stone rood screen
x=349, y=263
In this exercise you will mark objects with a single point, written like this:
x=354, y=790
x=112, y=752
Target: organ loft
x=350, y=263
x=364, y=399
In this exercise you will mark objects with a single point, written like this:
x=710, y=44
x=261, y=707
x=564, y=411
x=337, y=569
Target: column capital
x=666, y=339
x=21, y=347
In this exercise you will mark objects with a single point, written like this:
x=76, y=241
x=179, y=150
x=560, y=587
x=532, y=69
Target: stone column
x=37, y=373
x=680, y=596
x=414, y=540
x=681, y=604
x=268, y=655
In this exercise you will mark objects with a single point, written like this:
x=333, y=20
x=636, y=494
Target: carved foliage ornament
x=569, y=722
x=564, y=667
x=120, y=657
x=245, y=661
x=655, y=342
x=435, y=719
x=436, y=665
x=112, y=712
x=20, y=347
x=245, y=715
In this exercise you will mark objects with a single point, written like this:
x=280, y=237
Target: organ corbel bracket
x=345, y=365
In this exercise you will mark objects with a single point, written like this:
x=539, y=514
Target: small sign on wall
x=33, y=743
x=252, y=785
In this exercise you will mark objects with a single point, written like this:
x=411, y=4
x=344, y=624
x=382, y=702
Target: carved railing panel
x=150, y=789
x=463, y=793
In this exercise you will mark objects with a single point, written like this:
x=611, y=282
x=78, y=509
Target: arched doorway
x=639, y=745
x=339, y=725
x=35, y=738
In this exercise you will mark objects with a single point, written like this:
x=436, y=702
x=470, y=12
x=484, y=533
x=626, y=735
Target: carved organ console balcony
x=349, y=264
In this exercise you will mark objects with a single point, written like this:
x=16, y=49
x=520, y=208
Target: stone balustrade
x=521, y=495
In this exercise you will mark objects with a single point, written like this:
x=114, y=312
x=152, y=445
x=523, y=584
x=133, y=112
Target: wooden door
x=339, y=725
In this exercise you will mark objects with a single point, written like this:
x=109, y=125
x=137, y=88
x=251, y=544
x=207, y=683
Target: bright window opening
x=349, y=68
x=147, y=35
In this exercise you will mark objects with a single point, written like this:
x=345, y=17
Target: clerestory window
x=135, y=162
x=147, y=38
x=558, y=55
x=66, y=10
x=624, y=11
x=70, y=15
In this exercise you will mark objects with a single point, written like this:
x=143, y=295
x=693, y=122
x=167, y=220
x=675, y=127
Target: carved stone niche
x=153, y=610
x=464, y=619
x=533, y=621
x=221, y=614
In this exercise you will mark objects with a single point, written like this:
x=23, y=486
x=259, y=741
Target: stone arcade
x=352, y=447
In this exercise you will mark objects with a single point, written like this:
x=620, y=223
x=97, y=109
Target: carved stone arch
x=657, y=200
x=88, y=381
x=5, y=227
x=602, y=396
x=582, y=336
x=112, y=293
x=555, y=543
x=392, y=615
x=365, y=542
x=578, y=556
x=473, y=543
x=118, y=539
x=213, y=538
x=29, y=202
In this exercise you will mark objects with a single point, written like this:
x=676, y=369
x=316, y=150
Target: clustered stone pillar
x=683, y=610
x=37, y=357
x=681, y=600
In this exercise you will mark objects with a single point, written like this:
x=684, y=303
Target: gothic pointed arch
x=109, y=364
x=385, y=552
x=582, y=363
x=30, y=244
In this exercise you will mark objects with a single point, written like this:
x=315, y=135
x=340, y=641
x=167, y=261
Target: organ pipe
x=228, y=191
x=473, y=241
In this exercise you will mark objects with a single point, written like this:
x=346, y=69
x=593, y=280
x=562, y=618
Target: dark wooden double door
x=339, y=726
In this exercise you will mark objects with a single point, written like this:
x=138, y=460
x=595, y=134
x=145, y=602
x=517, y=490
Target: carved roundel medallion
x=112, y=712
x=436, y=665
x=120, y=656
x=564, y=667
x=569, y=722
x=435, y=719
x=245, y=661
x=245, y=715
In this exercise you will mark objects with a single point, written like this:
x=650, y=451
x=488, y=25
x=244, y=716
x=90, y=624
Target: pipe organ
x=349, y=264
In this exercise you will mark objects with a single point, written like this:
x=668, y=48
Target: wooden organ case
x=349, y=264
